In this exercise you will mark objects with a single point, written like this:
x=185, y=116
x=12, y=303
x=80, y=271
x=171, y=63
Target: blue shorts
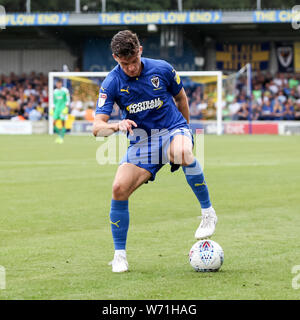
x=150, y=152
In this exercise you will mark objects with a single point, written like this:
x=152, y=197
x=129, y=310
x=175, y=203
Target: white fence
x=210, y=127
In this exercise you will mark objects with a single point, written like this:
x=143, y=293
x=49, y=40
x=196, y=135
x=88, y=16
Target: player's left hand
x=65, y=110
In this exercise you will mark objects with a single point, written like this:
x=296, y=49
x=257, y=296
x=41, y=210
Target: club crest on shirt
x=155, y=81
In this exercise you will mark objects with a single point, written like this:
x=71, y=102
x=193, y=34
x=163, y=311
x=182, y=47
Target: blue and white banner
x=172, y=17
x=275, y=16
x=37, y=19
x=156, y=17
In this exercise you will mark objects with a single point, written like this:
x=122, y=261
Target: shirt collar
x=126, y=77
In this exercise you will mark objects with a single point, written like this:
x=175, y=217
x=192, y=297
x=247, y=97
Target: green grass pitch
x=55, y=238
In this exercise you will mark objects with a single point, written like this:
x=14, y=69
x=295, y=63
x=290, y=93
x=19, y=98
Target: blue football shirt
x=146, y=99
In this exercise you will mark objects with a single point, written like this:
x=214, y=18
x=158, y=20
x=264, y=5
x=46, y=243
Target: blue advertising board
x=172, y=17
x=37, y=19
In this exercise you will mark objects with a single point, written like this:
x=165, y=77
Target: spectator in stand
x=255, y=111
x=293, y=95
x=293, y=82
x=21, y=94
x=33, y=99
x=297, y=110
x=34, y=115
x=298, y=91
x=286, y=90
x=195, y=112
x=29, y=107
x=19, y=117
x=281, y=97
x=12, y=104
x=257, y=92
x=4, y=110
x=202, y=104
x=278, y=111
x=234, y=108
x=266, y=111
x=273, y=87
x=8, y=83
x=29, y=90
x=77, y=107
x=12, y=90
x=289, y=111
x=243, y=112
x=225, y=113
x=280, y=80
x=242, y=98
x=89, y=114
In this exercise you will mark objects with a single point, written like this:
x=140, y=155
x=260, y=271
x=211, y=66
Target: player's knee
x=120, y=191
x=188, y=157
x=183, y=156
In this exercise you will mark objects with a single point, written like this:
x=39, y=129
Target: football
x=206, y=256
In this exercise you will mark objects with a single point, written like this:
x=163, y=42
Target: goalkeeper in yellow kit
x=61, y=101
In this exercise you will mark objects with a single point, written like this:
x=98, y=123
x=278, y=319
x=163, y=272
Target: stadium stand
x=24, y=96
x=97, y=55
x=273, y=98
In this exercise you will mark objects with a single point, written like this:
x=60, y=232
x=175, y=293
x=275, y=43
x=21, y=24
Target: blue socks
x=195, y=179
x=119, y=214
x=119, y=220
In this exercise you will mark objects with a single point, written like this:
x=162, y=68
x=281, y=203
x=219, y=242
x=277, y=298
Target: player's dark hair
x=125, y=43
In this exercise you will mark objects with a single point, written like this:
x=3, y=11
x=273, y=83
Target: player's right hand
x=126, y=125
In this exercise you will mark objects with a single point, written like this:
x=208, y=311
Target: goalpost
x=216, y=76
x=230, y=87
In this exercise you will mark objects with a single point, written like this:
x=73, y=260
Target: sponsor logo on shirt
x=102, y=99
x=144, y=105
x=125, y=90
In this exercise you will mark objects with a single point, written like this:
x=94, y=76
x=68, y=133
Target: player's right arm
x=101, y=127
x=106, y=100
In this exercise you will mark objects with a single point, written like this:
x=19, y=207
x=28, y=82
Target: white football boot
x=208, y=224
x=119, y=263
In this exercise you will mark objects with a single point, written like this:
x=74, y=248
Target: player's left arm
x=67, y=97
x=182, y=104
x=67, y=101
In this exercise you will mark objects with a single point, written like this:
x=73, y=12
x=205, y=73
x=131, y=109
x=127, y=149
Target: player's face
x=132, y=66
x=58, y=84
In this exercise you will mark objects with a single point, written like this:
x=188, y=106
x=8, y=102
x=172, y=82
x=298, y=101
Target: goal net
x=203, y=89
x=238, y=87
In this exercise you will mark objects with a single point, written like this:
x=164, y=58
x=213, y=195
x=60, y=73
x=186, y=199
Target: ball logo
x=206, y=252
x=206, y=256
